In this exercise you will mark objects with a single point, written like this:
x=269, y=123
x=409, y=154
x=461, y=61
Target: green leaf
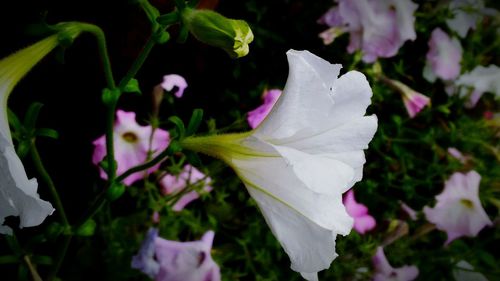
x=179, y=125
x=193, y=158
x=115, y=191
x=194, y=122
x=32, y=115
x=132, y=87
x=44, y=260
x=14, y=120
x=168, y=19
x=86, y=229
x=46, y=132
x=8, y=259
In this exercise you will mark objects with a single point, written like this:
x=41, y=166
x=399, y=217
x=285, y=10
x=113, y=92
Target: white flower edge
x=18, y=194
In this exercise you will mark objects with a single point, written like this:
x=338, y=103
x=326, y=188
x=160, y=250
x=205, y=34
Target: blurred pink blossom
x=377, y=28
x=481, y=79
x=466, y=15
x=189, y=176
x=256, y=116
x=455, y=153
x=414, y=101
x=186, y=261
x=363, y=222
x=385, y=272
x=443, y=58
x=409, y=211
x=458, y=210
x=165, y=260
x=174, y=80
x=131, y=145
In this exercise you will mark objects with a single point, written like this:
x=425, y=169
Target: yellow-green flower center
x=467, y=203
x=130, y=137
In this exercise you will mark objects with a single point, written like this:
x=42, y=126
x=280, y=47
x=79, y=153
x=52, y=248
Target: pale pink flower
x=466, y=15
x=363, y=222
x=131, y=146
x=174, y=80
x=414, y=101
x=165, y=260
x=458, y=210
x=482, y=79
x=329, y=35
x=443, y=58
x=256, y=116
x=186, y=261
x=189, y=176
x=409, y=211
x=455, y=153
x=464, y=271
x=377, y=28
x=385, y=272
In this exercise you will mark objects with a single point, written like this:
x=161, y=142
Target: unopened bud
x=209, y=27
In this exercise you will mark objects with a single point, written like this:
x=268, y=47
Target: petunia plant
x=170, y=140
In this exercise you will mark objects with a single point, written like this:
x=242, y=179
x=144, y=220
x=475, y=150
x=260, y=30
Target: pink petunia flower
x=256, y=116
x=186, y=261
x=414, y=101
x=466, y=15
x=482, y=79
x=443, y=58
x=458, y=210
x=174, y=80
x=385, y=272
x=165, y=260
x=409, y=211
x=189, y=176
x=377, y=28
x=363, y=222
x=131, y=146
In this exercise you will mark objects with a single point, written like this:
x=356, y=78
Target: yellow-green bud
x=212, y=28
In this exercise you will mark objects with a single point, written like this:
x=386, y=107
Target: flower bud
x=212, y=28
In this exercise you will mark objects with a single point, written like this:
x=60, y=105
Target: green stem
x=167, y=152
x=57, y=201
x=103, y=51
x=137, y=64
x=35, y=156
x=60, y=257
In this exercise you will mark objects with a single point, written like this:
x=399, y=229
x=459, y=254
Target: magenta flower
x=443, y=58
x=363, y=222
x=186, y=261
x=256, y=116
x=189, y=176
x=385, y=272
x=458, y=211
x=377, y=28
x=165, y=260
x=131, y=145
x=174, y=80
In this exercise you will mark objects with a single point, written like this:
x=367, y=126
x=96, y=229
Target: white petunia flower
x=307, y=152
x=18, y=194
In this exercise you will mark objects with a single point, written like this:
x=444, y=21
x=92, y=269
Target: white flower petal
x=295, y=111
x=18, y=194
x=275, y=177
x=310, y=247
x=351, y=136
x=320, y=173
